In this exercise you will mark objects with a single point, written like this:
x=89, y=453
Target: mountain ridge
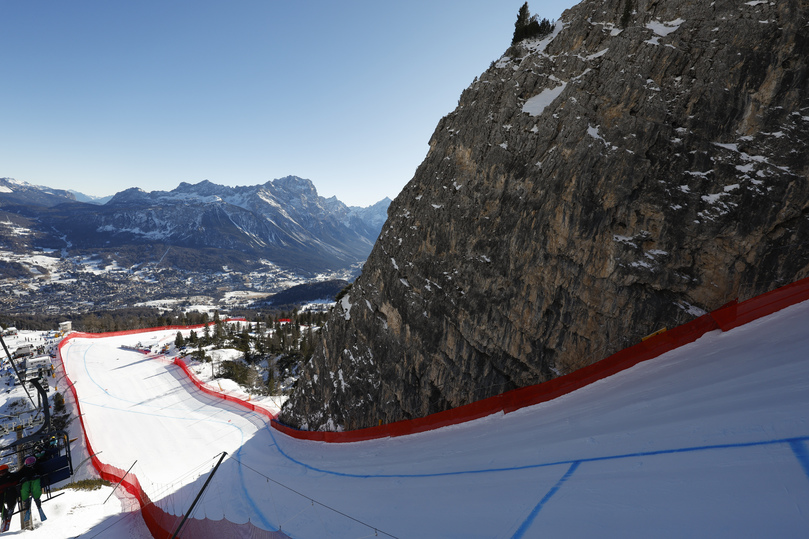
x=284, y=221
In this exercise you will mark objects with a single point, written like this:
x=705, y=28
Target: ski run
x=709, y=440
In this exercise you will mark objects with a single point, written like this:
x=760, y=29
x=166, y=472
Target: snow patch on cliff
x=345, y=303
x=536, y=105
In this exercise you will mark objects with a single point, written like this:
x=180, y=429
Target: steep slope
x=709, y=440
x=591, y=187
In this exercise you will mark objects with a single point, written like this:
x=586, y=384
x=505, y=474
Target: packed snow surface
x=96, y=513
x=709, y=440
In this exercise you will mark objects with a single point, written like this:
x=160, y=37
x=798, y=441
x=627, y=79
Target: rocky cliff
x=625, y=173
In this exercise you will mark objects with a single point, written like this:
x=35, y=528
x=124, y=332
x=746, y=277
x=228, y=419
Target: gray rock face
x=591, y=187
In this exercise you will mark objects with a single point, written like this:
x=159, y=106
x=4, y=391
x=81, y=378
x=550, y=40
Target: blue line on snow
x=544, y=464
x=530, y=518
x=798, y=446
x=166, y=416
x=116, y=397
x=251, y=502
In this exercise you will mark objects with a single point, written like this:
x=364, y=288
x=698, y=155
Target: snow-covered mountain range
x=283, y=221
x=18, y=192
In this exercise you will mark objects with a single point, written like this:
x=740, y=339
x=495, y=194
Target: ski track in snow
x=712, y=436
x=177, y=414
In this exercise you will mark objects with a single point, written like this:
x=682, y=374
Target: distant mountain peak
x=14, y=191
x=204, y=188
x=90, y=199
x=283, y=221
x=128, y=195
x=294, y=184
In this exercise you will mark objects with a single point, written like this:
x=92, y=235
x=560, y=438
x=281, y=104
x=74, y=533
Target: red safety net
x=161, y=524
x=727, y=317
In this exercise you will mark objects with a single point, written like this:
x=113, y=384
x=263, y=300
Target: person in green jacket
x=31, y=487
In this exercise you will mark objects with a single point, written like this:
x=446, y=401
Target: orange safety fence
x=224, y=396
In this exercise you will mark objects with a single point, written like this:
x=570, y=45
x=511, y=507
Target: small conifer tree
x=528, y=26
x=520, y=26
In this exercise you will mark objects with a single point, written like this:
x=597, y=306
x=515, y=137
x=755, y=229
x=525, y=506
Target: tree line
x=104, y=321
x=284, y=339
x=528, y=26
x=284, y=342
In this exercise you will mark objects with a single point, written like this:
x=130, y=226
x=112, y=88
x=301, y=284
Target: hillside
x=708, y=440
x=625, y=173
x=202, y=240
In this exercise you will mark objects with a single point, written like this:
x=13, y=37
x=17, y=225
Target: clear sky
x=99, y=96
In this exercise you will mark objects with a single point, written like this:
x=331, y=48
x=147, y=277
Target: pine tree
x=218, y=331
x=528, y=26
x=270, y=382
x=521, y=25
x=244, y=344
x=61, y=418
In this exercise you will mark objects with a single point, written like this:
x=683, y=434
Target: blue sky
x=99, y=96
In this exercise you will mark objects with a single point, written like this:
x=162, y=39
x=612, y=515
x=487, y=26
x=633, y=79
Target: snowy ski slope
x=710, y=440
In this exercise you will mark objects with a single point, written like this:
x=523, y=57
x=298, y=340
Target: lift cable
x=374, y=528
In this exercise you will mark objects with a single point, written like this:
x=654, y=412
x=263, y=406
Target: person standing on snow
x=8, y=495
x=31, y=487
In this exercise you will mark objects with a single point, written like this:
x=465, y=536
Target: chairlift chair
x=58, y=465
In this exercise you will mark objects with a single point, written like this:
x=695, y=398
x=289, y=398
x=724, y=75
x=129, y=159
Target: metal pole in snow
x=85, y=460
x=199, y=495
x=121, y=481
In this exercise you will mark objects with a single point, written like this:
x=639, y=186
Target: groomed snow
x=86, y=514
x=709, y=440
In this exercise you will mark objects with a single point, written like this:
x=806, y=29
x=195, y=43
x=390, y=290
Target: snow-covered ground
x=71, y=513
x=710, y=440
x=76, y=513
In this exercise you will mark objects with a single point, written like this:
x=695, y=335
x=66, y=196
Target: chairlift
x=56, y=464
